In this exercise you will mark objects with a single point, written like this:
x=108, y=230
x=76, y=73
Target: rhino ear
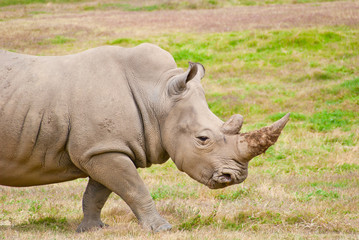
x=178, y=83
x=197, y=70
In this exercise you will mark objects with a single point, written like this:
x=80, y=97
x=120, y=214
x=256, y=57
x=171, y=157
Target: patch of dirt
x=240, y=18
x=218, y=20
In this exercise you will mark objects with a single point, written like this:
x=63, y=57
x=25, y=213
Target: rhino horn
x=257, y=142
x=233, y=125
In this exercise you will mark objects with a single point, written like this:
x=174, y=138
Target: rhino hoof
x=163, y=227
x=158, y=224
x=90, y=225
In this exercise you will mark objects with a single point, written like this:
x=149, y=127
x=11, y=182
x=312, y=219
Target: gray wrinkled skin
x=103, y=113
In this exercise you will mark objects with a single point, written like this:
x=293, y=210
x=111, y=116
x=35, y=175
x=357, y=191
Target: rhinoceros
x=107, y=111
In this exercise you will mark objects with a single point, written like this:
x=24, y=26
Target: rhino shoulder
x=154, y=52
x=150, y=60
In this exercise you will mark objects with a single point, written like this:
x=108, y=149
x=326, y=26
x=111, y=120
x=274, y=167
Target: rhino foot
x=163, y=227
x=90, y=225
x=158, y=225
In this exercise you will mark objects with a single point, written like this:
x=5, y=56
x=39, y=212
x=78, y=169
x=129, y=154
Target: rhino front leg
x=93, y=200
x=117, y=172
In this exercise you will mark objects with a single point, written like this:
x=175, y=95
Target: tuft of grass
x=233, y=195
x=44, y=223
x=319, y=75
x=126, y=7
x=166, y=192
x=4, y=3
x=35, y=206
x=339, y=184
x=347, y=91
x=346, y=167
x=57, y=40
x=184, y=54
x=318, y=194
x=61, y=40
x=127, y=42
x=351, y=85
x=198, y=221
x=253, y=221
x=349, y=140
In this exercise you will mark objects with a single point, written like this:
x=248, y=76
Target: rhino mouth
x=226, y=177
x=219, y=180
x=224, y=180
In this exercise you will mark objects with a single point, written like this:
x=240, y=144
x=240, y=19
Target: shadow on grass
x=58, y=224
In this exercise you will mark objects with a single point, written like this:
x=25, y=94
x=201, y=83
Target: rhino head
x=209, y=150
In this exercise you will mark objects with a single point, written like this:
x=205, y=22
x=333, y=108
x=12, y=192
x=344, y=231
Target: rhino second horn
x=233, y=125
x=257, y=142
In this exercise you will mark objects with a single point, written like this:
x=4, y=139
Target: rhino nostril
x=225, y=178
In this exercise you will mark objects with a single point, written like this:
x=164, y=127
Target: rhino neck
x=146, y=97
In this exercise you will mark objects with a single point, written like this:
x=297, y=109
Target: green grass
x=44, y=223
x=127, y=41
x=126, y=7
x=347, y=168
x=178, y=191
x=346, y=91
x=233, y=195
x=198, y=221
x=319, y=194
x=273, y=50
x=57, y=40
x=329, y=120
x=228, y=59
x=60, y=40
x=254, y=221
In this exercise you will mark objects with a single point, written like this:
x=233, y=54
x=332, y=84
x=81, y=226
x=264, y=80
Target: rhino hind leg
x=93, y=201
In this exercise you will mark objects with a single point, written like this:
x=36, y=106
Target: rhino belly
x=33, y=149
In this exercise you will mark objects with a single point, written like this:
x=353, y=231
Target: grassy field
x=304, y=187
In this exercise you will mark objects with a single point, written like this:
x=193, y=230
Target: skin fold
x=107, y=111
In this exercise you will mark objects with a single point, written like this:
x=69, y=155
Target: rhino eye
x=203, y=139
